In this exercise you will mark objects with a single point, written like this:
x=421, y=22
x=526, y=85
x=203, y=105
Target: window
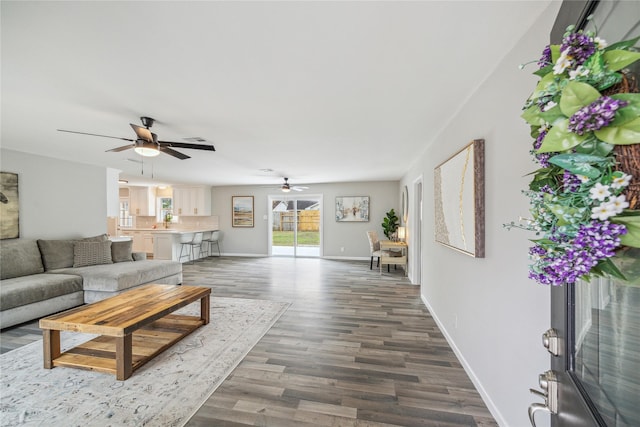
x=124, y=218
x=165, y=210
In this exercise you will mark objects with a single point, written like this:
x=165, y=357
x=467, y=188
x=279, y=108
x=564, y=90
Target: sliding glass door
x=295, y=226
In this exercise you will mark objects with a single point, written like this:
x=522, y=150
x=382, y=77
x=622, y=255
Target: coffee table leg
x=204, y=309
x=124, y=357
x=51, y=346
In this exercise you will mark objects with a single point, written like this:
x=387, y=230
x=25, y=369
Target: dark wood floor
x=354, y=349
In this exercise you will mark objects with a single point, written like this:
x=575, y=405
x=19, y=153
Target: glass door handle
x=549, y=384
x=535, y=407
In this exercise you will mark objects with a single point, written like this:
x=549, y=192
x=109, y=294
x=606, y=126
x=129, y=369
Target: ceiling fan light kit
x=286, y=187
x=146, y=144
x=146, y=149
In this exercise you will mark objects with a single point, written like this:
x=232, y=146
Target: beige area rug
x=166, y=391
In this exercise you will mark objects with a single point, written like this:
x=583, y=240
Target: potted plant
x=390, y=224
x=585, y=120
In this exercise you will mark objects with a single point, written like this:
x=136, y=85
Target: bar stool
x=205, y=246
x=185, y=242
x=213, y=239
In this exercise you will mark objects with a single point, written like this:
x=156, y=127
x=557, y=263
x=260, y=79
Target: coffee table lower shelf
x=99, y=354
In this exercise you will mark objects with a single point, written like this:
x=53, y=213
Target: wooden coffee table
x=134, y=327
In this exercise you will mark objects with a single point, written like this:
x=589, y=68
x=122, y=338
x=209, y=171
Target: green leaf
x=532, y=115
x=563, y=213
x=595, y=63
x=594, y=147
x=560, y=139
x=607, y=268
x=551, y=115
x=575, y=96
x=555, y=52
x=624, y=134
x=544, y=71
x=543, y=84
x=624, y=44
x=632, y=222
x=579, y=164
x=618, y=59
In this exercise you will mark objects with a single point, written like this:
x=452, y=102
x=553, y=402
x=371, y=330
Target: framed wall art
x=242, y=211
x=9, y=204
x=459, y=200
x=352, y=209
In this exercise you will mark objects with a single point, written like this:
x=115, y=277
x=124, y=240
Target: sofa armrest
x=139, y=256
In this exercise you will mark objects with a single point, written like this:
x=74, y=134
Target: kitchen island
x=163, y=243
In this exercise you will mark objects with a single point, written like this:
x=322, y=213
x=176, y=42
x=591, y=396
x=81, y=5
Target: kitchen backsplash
x=184, y=222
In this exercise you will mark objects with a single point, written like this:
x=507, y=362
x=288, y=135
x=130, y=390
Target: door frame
x=272, y=197
x=415, y=221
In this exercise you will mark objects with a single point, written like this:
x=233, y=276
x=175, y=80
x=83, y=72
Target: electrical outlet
x=342, y=249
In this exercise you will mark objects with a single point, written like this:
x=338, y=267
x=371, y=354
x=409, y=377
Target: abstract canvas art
x=459, y=200
x=9, y=214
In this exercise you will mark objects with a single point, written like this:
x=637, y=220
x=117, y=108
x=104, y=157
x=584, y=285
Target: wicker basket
x=628, y=156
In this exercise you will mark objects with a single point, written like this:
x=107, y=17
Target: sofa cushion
x=20, y=257
x=34, y=288
x=122, y=251
x=59, y=253
x=91, y=253
x=124, y=275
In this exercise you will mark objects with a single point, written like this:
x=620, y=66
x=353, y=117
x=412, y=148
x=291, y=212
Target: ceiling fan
x=147, y=144
x=286, y=187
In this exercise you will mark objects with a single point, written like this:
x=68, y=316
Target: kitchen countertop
x=167, y=230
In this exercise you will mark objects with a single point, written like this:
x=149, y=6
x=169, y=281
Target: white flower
x=621, y=181
x=599, y=192
x=600, y=43
x=602, y=212
x=583, y=179
x=578, y=72
x=619, y=203
x=561, y=64
x=549, y=105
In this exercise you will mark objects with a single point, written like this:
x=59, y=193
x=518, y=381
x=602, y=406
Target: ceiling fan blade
x=95, y=134
x=124, y=147
x=297, y=188
x=143, y=133
x=173, y=153
x=186, y=145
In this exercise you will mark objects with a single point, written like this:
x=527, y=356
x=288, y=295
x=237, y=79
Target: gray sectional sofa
x=42, y=277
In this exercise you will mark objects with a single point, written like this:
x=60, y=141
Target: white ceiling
x=316, y=91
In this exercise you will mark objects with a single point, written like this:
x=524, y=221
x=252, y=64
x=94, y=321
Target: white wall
x=58, y=198
x=500, y=313
x=350, y=235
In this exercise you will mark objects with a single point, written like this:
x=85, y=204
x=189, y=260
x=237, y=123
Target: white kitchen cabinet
x=142, y=201
x=163, y=246
x=147, y=243
x=138, y=240
x=192, y=201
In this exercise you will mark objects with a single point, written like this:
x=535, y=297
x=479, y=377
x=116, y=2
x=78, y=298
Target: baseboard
x=243, y=255
x=474, y=379
x=347, y=258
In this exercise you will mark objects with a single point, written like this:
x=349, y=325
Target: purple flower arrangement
x=595, y=116
x=577, y=196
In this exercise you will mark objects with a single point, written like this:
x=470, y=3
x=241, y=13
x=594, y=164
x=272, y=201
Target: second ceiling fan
x=286, y=187
x=147, y=144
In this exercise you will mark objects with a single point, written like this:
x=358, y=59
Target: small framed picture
x=242, y=211
x=352, y=209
